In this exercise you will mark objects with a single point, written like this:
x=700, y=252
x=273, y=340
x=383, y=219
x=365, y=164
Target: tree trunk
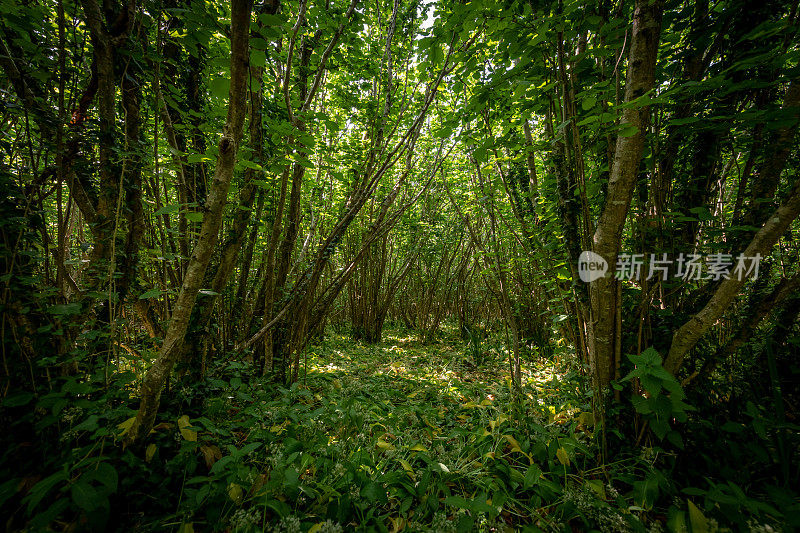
x=627, y=156
x=157, y=375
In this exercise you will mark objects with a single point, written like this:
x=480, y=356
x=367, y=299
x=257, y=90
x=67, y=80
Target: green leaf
x=90, y=424
x=291, y=478
x=171, y=208
x=42, y=488
x=220, y=87
x=651, y=384
x=676, y=521
x=258, y=58
x=641, y=405
x=696, y=519
x=17, y=400
x=185, y=428
x=197, y=158
x=84, y=495
x=532, y=475
x=675, y=438
x=476, y=505
x=72, y=308
x=270, y=20
x=374, y=493
x=152, y=293
x=107, y=475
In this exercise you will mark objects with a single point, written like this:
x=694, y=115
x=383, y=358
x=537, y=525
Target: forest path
x=399, y=434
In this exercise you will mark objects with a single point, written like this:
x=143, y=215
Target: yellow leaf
x=125, y=426
x=418, y=448
x=469, y=405
x=149, y=452
x=486, y=433
x=397, y=523
x=316, y=527
x=407, y=467
x=490, y=455
x=562, y=456
x=515, y=447
x=383, y=445
x=211, y=454
x=235, y=493
x=586, y=419
x=427, y=423
x=184, y=425
x=514, y=444
x=696, y=518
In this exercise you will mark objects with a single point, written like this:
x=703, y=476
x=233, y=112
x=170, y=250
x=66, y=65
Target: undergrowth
x=397, y=436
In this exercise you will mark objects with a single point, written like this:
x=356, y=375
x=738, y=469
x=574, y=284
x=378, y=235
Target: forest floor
x=408, y=436
x=396, y=436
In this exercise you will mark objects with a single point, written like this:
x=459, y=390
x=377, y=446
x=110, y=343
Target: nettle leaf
x=84, y=495
x=652, y=356
x=660, y=427
x=641, y=405
x=651, y=384
x=107, y=475
x=675, y=438
x=42, y=488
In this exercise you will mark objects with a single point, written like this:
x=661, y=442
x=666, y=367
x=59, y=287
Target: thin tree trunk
x=157, y=375
x=624, y=172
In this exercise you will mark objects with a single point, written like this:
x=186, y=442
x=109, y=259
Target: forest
x=400, y=265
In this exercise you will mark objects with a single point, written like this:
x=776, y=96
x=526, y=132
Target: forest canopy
x=400, y=265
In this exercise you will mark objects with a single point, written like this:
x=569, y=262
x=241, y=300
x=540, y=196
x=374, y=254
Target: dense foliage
x=321, y=266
